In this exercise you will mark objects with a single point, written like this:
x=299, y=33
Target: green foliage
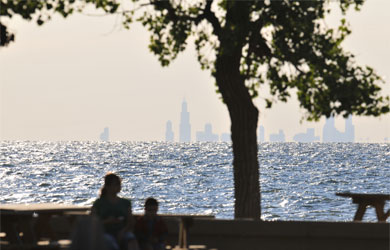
x=170, y=27
x=281, y=43
x=41, y=11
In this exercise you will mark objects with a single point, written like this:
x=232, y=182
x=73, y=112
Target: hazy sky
x=70, y=78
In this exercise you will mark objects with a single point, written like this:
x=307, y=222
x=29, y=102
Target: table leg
x=8, y=224
x=43, y=228
x=387, y=214
x=182, y=235
x=25, y=226
x=380, y=214
x=360, y=212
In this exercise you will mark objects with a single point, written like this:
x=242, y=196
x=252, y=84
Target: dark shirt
x=120, y=209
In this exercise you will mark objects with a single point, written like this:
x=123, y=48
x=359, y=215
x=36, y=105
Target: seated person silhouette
x=150, y=229
x=115, y=214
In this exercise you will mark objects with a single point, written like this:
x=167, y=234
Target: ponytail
x=103, y=191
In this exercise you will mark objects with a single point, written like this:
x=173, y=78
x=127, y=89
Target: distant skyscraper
x=277, y=137
x=349, y=130
x=185, y=126
x=331, y=134
x=169, y=135
x=261, y=134
x=225, y=137
x=329, y=131
x=306, y=137
x=207, y=134
x=105, y=136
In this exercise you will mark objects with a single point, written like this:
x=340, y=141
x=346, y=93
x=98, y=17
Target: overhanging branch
x=210, y=16
x=206, y=14
x=257, y=44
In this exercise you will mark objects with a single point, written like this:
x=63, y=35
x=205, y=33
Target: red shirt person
x=150, y=229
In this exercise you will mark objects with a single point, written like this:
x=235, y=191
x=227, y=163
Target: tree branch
x=206, y=14
x=210, y=16
x=257, y=44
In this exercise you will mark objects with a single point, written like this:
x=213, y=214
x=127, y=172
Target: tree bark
x=244, y=117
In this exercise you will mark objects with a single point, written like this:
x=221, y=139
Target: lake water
x=298, y=180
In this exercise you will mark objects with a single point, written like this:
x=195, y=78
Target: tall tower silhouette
x=185, y=126
x=169, y=135
x=105, y=135
x=261, y=136
x=349, y=130
x=329, y=132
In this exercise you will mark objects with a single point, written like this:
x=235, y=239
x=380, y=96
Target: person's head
x=112, y=184
x=151, y=207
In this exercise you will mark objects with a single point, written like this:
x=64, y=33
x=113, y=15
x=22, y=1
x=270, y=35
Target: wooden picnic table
x=364, y=200
x=32, y=220
x=26, y=224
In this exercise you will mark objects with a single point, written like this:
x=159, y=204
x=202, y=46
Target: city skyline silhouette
x=329, y=132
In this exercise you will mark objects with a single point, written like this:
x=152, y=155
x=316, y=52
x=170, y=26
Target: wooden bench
x=365, y=200
x=177, y=239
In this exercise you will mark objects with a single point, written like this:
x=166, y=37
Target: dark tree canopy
x=283, y=43
x=245, y=45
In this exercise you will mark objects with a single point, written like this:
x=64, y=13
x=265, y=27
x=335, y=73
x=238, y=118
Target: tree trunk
x=244, y=117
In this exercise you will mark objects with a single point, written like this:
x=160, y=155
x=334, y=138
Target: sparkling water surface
x=298, y=180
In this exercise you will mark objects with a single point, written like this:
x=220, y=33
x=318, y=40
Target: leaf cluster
x=41, y=11
x=308, y=56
